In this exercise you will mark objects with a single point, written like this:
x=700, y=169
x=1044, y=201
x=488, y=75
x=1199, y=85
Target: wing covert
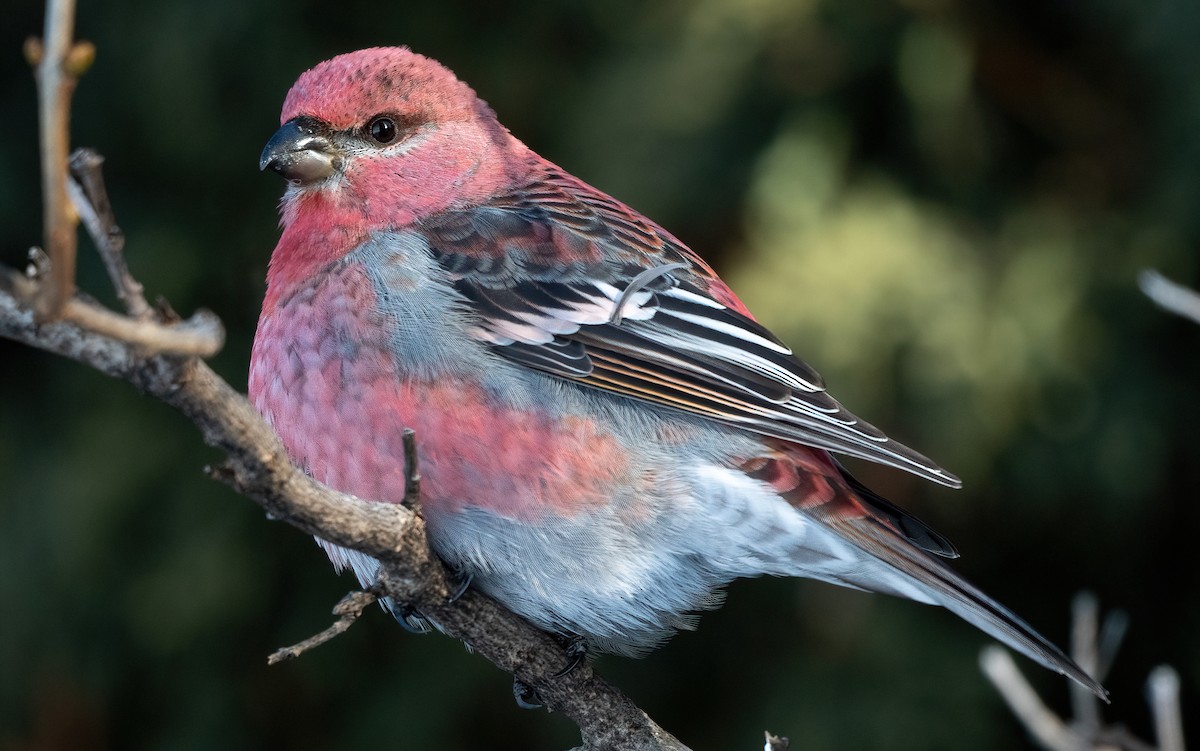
x=570, y=282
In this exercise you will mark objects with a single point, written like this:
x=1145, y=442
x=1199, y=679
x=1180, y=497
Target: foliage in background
x=941, y=205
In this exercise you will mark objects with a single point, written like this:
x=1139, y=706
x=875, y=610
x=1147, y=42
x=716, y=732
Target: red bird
x=606, y=435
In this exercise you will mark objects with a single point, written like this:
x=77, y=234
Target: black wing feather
x=547, y=271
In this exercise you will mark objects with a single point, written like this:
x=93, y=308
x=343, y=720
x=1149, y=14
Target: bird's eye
x=382, y=130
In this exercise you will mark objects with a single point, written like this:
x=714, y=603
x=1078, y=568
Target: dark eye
x=382, y=129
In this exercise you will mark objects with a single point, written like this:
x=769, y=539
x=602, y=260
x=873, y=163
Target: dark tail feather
x=959, y=596
x=898, y=553
x=914, y=530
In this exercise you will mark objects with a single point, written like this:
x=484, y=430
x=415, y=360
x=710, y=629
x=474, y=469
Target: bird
x=607, y=436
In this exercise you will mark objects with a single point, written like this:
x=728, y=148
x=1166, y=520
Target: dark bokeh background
x=942, y=205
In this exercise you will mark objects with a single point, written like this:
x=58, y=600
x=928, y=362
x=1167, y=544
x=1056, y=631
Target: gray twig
x=1169, y=295
x=1094, y=653
x=412, y=470
x=1112, y=633
x=202, y=335
x=87, y=191
x=1043, y=725
x=348, y=609
x=58, y=63
x=1085, y=620
x=1163, y=690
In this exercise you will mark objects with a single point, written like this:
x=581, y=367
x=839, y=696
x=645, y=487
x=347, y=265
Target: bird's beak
x=301, y=151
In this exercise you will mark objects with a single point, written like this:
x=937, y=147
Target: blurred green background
x=941, y=205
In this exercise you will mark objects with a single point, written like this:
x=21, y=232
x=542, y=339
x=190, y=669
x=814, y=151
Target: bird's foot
x=526, y=695
x=411, y=619
x=576, y=649
x=462, y=582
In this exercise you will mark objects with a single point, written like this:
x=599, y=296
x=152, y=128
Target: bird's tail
x=899, y=554
x=901, y=560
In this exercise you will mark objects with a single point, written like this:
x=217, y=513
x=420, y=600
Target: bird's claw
x=576, y=650
x=411, y=620
x=525, y=695
x=461, y=587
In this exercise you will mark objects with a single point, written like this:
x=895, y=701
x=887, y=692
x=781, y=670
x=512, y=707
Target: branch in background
x=1170, y=296
x=1163, y=690
x=1093, y=647
x=1085, y=629
x=1047, y=730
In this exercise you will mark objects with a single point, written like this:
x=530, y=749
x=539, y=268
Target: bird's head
x=384, y=136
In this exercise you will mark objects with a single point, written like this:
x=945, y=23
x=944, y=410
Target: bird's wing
x=568, y=281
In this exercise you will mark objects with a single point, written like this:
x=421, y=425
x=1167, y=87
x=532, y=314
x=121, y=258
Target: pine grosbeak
x=607, y=437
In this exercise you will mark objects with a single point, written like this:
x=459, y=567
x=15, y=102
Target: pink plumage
x=607, y=436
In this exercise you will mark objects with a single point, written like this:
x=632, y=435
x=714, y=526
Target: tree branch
x=59, y=63
x=1169, y=295
x=1162, y=688
x=1046, y=728
x=348, y=609
x=201, y=335
x=87, y=191
x=1093, y=646
x=258, y=467
x=1085, y=627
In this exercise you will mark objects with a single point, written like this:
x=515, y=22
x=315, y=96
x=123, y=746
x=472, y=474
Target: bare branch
x=1112, y=633
x=348, y=609
x=202, y=335
x=258, y=467
x=1046, y=728
x=1163, y=690
x=90, y=197
x=1085, y=620
x=1117, y=738
x=1170, y=296
x=1093, y=647
x=59, y=63
x=412, y=470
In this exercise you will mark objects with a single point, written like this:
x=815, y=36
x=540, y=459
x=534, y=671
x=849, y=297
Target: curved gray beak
x=301, y=151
